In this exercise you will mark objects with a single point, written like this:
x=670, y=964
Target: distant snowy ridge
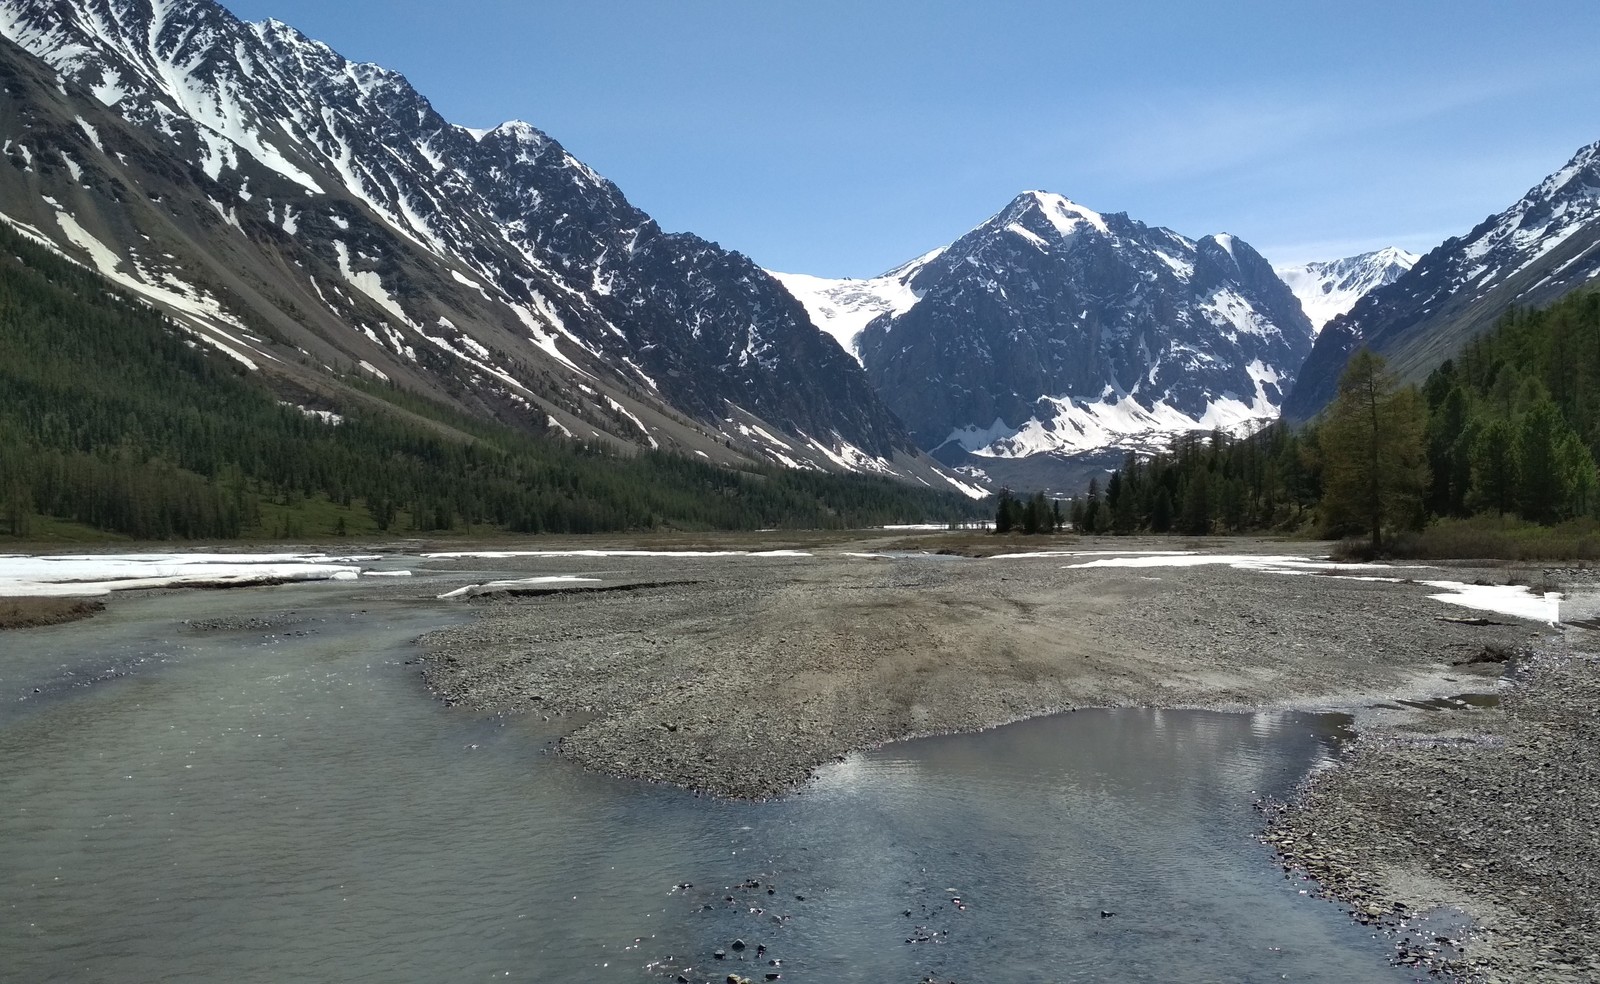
x=1330, y=288
x=1539, y=249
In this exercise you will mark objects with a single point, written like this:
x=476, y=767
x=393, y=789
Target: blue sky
x=842, y=138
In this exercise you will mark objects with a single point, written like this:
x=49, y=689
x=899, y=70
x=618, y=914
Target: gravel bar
x=752, y=671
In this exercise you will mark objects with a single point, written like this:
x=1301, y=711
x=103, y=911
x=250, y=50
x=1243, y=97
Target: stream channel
x=283, y=801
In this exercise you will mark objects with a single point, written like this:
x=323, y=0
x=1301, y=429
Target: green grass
x=1490, y=538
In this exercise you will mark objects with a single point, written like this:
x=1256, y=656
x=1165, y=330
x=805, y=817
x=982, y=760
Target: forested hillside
x=1509, y=428
x=111, y=418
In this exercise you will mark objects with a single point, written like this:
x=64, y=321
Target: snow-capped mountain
x=1330, y=288
x=313, y=217
x=1545, y=245
x=1055, y=329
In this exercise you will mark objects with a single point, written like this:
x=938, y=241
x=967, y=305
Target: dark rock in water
x=738, y=944
x=721, y=954
x=1106, y=915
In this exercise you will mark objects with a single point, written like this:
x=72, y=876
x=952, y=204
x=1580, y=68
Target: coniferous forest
x=1507, y=429
x=111, y=419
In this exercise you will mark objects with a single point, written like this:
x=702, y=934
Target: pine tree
x=1196, y=519
x=1161, y=512
x=1374, y=463
x=1578, y=475
x=1004, y=518
x=1542, y=490
x=1494, y=467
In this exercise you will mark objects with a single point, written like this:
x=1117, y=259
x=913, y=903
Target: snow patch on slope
x=844, y=308
x=1075, y=426
x=198, y=311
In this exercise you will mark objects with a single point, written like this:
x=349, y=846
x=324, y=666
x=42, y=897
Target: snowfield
x=94, y=575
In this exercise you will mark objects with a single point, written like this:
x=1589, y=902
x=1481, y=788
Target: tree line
x=1509, y=427
x=112, y=418
x=1037, y=515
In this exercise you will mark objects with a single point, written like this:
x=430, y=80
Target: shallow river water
x=286, y=803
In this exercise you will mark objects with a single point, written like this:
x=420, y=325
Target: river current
x=285, y=802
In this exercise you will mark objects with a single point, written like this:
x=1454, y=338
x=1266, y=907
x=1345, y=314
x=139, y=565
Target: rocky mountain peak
x=1052, y=328
x=244, y=174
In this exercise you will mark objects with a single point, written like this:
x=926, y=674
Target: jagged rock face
x=306, y=213
x=1053, y=328
x=1545, y=245
x=1329, y=288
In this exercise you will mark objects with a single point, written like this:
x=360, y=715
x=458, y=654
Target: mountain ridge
x=1530, y=254
x=243, y=173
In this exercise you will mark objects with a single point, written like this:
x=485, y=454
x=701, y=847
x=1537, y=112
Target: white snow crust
x=91, y=575
x=1512, y=600
x=510, y=554
x=473, y=590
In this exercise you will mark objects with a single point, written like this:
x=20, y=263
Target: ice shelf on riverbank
x=93, y=575
x=511, y=587
x=515, y=554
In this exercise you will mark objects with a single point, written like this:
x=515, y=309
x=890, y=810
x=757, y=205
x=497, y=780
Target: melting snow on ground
x=473, y=590
x=511, y=554
x=1503, y=599
x=91, y=575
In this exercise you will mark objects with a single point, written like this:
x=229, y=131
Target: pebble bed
x=1491, y=810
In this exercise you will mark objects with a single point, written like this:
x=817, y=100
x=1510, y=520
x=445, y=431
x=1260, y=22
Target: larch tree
x=1374, y=456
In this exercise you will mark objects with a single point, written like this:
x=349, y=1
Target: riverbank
x=745, y=676
x=35, y=613
x=1491, y=810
